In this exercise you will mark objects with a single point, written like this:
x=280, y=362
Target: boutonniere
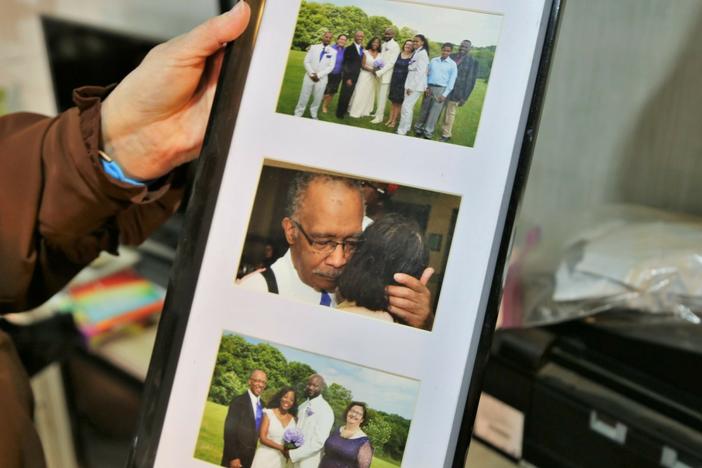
x=308, y=411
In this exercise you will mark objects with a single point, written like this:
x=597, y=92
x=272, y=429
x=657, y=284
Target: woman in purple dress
x=349, y=446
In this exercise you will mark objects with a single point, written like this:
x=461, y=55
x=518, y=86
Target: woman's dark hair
x=275, y=401
x=425, y=43
x=370, y=43
x=392, y=244
x=365, y=411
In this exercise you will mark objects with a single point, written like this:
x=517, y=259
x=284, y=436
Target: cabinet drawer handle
x=615, y=432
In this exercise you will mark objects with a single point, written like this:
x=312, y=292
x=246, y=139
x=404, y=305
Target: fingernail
x=236, y=8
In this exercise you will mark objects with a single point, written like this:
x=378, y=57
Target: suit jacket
x=323, y=65
x=465, y=80
x=240, y=435
x=391, y=50
x=351, y=66
x=417, y=74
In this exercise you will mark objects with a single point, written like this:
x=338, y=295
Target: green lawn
x=209, y=441
x=464, y=128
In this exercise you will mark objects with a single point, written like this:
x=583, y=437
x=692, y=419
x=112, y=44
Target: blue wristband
x=113, y=170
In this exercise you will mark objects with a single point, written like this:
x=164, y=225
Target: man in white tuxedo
x=315, y=420
x=319, y=62
x=390, y=52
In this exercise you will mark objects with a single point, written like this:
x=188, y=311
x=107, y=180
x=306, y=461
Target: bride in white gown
x=366, y=89
x=276, y=421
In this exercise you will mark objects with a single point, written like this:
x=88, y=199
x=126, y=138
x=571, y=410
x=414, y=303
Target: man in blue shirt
x=441, y=79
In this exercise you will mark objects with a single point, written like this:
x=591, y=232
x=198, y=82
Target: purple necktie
x=259, y=414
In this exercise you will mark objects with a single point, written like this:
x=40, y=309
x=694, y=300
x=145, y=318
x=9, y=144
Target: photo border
x=201, y=206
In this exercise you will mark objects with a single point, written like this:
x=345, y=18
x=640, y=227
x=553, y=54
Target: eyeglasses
x=327, y=246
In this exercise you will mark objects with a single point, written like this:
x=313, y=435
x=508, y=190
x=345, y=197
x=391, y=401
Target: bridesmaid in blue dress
x=349, y=446
x=397, y=83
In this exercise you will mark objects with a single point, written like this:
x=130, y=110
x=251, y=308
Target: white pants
x=310, y=88
x=311, y=462
x=383, y=91
x=407, y=112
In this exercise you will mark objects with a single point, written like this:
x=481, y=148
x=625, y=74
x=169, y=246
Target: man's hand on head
x=410, y=301
x=155, y=119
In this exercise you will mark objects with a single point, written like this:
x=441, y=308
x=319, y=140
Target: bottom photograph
x=271, y=406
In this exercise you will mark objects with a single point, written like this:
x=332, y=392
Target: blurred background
x=596, y=359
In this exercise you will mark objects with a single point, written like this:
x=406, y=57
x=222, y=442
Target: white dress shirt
x=320, y=63
x=254, y=401
x=289, y=283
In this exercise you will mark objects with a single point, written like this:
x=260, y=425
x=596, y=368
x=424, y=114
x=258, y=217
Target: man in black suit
x=351, y=68
x=242, y=424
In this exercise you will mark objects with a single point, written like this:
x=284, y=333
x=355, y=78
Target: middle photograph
x=362, y=246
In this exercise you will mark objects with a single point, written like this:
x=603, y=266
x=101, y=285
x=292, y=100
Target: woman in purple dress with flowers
x=349, y=446
x=278, y=422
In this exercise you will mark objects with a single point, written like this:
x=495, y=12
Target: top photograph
x=391, y=66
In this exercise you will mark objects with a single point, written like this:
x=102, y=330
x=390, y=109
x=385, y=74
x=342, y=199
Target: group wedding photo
x=368, y=247
x=392, y=66
x=270, y=406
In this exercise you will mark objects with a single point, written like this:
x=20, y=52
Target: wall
x=24, y=71
x=621, y=117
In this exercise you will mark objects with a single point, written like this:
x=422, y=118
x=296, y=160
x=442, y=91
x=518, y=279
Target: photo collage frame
x=333, y=247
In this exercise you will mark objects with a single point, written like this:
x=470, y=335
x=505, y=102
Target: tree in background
x=316, y=18
x=378, y=430
x=338, y=398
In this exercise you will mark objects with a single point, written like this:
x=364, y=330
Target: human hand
x=314, y=77
x=411, y=300
x=440, y=98
x=155, y=119
x=427, y=92
x=236, y=463
x=408, y=92
x=349, y=82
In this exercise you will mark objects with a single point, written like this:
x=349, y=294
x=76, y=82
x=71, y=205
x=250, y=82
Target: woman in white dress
x=277, y=418
x=363, y=98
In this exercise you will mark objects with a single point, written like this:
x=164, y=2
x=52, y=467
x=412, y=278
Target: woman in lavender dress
x=349, y=446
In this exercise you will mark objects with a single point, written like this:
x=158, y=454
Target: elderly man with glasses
x=322, y=226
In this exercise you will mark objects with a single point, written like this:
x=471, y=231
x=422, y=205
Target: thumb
x=426, y=275
x=209, y=36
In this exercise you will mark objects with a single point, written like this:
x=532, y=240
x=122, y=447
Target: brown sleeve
x=19, y=442
x=58, y=209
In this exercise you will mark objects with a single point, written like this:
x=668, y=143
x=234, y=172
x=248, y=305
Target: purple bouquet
x=293, y=438
x=378, y=64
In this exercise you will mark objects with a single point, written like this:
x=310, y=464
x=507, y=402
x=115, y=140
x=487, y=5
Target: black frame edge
x=191, y=247
x=520, y=178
